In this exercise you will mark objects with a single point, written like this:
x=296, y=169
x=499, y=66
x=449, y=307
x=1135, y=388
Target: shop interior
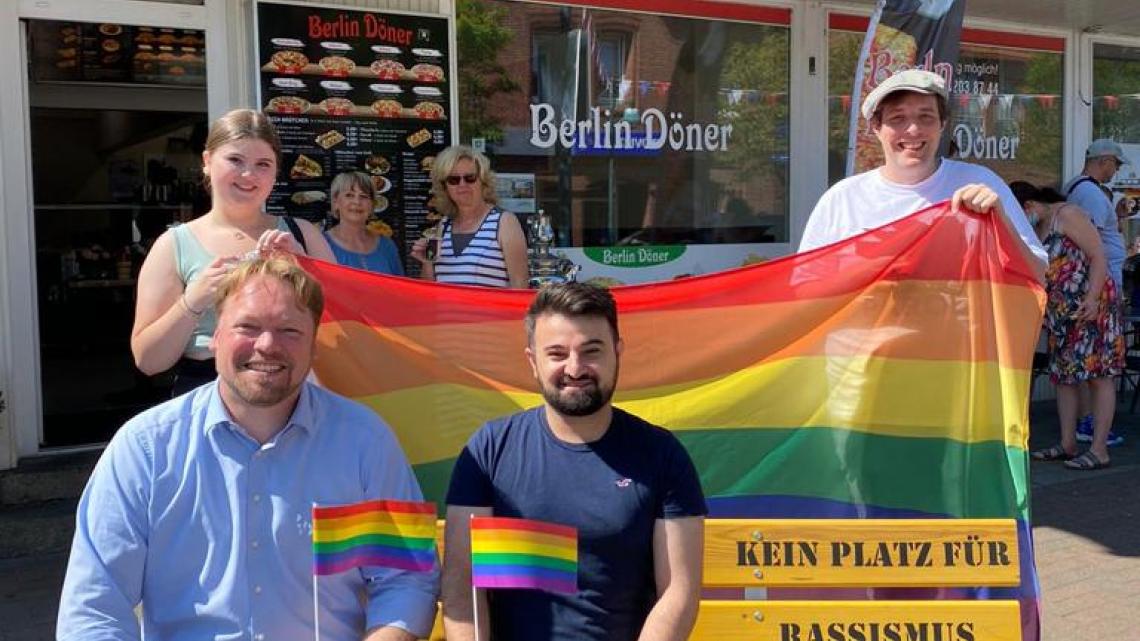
x=118, y=122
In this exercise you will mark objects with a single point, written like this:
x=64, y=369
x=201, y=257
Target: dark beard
x=580, y=403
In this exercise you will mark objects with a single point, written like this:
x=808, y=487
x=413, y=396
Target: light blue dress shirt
x=211, y=532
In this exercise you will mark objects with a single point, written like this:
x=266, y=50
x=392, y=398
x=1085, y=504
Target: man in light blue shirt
x=200, y=508
x=1102, y=160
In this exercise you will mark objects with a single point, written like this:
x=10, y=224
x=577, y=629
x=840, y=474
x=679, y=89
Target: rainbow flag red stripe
x=886, y=376
x=522, y=553
x=391, y=534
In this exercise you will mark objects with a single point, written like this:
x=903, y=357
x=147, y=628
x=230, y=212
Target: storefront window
x=117, y=126
x=115, y=53
x=1005, y=101
x=1116, y=115
x=1116, y=103
x=632, y=130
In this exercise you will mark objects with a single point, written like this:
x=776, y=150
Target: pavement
x=1085, y=525
x=1086, y=536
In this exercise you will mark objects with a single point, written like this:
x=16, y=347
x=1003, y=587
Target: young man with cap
x=908, y=114
x=1103, y=159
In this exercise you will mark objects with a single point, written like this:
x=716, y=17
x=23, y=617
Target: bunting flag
x=391, y=534
x=521, y=553
x=598, y=73
x=885, y=376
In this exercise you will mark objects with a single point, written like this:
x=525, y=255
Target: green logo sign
x=646, y=256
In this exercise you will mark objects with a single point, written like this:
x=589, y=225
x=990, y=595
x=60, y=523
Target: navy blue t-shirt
x=613, y=490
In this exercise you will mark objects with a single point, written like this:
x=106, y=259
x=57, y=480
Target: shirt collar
x=304, y=414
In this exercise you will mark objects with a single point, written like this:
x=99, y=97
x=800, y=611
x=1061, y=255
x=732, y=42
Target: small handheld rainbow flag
x=392, y=534
x=520, y=553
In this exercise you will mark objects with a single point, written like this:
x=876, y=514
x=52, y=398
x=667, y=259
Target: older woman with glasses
x=353, y=196
x=480, y=243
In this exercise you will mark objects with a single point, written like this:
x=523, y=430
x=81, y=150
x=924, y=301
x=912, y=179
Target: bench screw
x=758, y=574
x=756, y=616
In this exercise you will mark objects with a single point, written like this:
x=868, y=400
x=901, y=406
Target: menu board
x=356, y=91
x=108, y=52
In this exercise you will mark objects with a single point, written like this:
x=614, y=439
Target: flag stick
x=316, y=611
x=475, y=609
x=316, y=604
x=474, y=590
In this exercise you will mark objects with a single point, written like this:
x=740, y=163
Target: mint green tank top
x=191, y=258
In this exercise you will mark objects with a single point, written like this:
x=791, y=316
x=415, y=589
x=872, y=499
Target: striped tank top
x=480, y=263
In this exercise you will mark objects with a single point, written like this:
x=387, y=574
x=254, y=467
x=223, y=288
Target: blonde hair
x=345, y=181
x=241, y=124
x=445, y=162
x=282, y=267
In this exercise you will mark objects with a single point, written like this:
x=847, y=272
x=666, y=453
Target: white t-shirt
x=1089, y=197
x=867, y=200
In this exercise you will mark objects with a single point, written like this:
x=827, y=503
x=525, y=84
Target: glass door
x=117, y=126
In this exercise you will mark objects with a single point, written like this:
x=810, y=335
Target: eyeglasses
x=453, y=180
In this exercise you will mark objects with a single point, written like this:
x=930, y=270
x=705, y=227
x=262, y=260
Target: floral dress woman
x=1079, y=350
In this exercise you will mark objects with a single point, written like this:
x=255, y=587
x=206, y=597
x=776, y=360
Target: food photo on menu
x=109, y=52
x=379, y=81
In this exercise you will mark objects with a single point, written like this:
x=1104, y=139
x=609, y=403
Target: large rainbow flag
x=886, y=376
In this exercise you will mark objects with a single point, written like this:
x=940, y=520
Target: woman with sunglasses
x=480, y=243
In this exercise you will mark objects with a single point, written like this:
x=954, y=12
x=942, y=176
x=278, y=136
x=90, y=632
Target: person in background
x=174, y=317
x=196, y=522
x=480, y=244
x=627, y=486
x=908, y=113
x=1103, y=158
x=353, y=195
x=1082, y=322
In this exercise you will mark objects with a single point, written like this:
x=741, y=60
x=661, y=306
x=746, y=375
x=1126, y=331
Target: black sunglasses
x=467, y=178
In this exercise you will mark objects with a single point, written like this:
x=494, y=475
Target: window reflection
x=1005, y=108
x=677, y=127
x=1116, y=115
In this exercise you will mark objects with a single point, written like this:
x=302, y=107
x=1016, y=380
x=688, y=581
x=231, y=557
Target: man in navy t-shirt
x=628, y=486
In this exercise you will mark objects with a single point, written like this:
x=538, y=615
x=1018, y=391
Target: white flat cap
x=916, y=80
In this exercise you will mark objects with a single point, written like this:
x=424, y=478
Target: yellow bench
x=850, y=553
x=855, y=553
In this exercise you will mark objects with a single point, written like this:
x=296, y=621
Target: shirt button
x=257, y=498
x=259, y=637
x=254, y=544
x=257, y=589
